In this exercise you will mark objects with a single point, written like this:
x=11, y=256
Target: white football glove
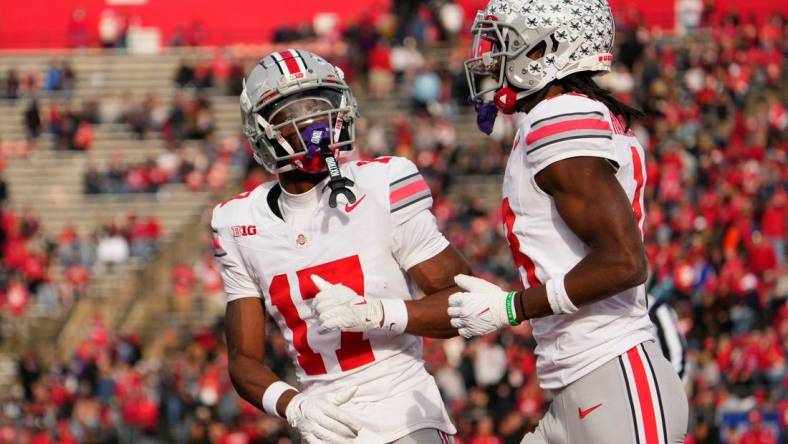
x=319, y=419
x=480, y=310
x=340, y=308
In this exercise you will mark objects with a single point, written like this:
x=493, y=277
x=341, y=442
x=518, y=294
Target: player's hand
x=481, y=309
x=340, y=308
x=320, y=419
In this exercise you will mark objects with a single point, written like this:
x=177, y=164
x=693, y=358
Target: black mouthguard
x=337, y=183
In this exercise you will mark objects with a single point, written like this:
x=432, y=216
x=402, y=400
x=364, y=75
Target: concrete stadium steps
x=97, y=89
x=7, y=369
x=121, y=71
x=89, y=214
x=41, y=156
x=225, y=112
x=487, y=187
x=47, y=183
x=110, y=133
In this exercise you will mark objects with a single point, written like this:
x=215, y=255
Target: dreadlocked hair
x=583, y=83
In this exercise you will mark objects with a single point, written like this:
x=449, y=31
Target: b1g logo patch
x=296, y=76
x=244, y=230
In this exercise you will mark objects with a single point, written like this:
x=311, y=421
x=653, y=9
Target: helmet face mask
x=488, y=55
x=277, y=104
x=577, y=36
x=296, y=115
x=292, y=115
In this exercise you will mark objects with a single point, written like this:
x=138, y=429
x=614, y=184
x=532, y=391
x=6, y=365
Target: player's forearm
x=599, y=275
x=428, y=316
x=251, y=378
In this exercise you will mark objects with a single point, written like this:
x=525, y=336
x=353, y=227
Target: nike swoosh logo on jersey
x=584, y=413
x=349, y=207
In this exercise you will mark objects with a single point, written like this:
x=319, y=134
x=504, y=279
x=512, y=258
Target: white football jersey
x=542, y=246
x=355, y=245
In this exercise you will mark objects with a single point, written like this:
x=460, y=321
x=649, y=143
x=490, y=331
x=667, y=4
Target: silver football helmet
x=286, y=92
x=577, y=36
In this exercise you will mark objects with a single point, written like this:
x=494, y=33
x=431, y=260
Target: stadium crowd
x=205, y=166
x=715, y=234
x=28, y=275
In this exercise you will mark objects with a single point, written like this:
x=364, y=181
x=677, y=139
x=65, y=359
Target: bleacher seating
x=50, y=182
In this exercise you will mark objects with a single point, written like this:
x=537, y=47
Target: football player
x=361, y=230
x=671, y=340
x=573, y=212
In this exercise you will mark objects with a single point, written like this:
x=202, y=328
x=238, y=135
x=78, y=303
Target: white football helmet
x=286, y=92
x=577, y=36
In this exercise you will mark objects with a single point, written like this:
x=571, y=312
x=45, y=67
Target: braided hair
x=583, y=83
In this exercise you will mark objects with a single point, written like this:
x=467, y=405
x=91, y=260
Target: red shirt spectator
x=488, y=439
x=761, y=256
x=141, y=412
x=42, y=438
x=380, y=58
x=153, y=228
x=209, y=273
x=15, y=252
x=137, y=180
x=158, y=176
x=234, y=437
x=182, y=280
x=220, y=66
x=83, y=139
x=137, y=228
x=757, y=434
x=67, y=235
x=17, y=298
x=33, y=269
x=774, y=218
x=77, y=276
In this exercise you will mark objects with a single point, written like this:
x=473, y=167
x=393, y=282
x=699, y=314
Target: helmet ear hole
x=538, y=51
x=555, y=43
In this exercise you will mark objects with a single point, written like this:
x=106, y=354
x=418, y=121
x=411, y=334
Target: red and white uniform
x=367, y=246
x=542, y=246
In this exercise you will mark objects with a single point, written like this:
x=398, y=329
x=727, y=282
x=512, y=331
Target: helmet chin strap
x=337, y=183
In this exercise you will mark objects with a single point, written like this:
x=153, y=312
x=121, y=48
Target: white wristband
x=557, y=297
x=395, y=315
x=272, y=394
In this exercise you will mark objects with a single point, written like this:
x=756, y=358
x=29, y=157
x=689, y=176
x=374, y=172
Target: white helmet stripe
x=280, y=61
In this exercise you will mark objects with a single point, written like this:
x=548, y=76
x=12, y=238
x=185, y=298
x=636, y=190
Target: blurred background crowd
x=714, y=95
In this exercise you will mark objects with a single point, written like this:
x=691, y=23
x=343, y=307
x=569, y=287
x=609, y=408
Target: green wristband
x=510, y=309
